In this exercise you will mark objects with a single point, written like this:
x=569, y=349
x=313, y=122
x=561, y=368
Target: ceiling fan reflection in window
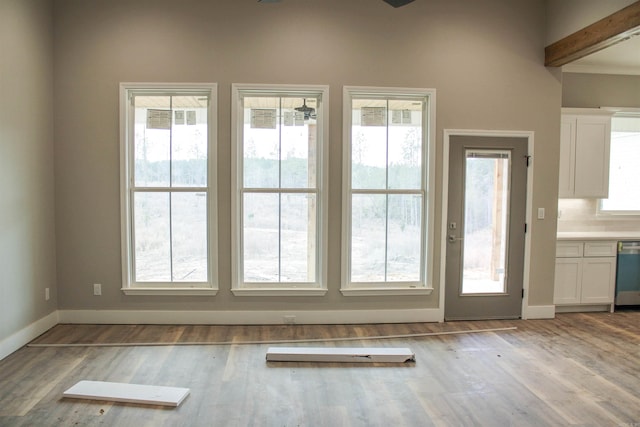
x=394, y=3
x=309, y=112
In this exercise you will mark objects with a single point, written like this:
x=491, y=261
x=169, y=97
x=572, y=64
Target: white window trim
x=389, y=288
x=173, y=289
x=238, y=288
x=615, y=215
x=618, y=214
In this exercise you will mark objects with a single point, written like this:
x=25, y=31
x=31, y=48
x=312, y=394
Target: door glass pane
x=487, y=177
x=261, y=237
x=152, y=237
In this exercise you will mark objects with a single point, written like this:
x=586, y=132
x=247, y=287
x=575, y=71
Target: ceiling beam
x=608, y=31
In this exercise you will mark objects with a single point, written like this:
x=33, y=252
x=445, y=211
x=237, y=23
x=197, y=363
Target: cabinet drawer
x=569, y=249
x=600, y=249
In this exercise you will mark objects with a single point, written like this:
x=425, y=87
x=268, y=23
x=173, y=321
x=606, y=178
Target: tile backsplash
x=581, y=215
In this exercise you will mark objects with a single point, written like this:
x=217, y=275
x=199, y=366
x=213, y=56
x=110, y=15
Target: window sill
x=384, y=291
x=170, y=291
x=286, y=292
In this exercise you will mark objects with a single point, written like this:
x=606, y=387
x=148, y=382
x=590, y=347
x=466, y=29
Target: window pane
x=369, y=144
x=189, y=141
x=404, y=238
x=261, y=142
x=279, y=143
x=152, y=237
x=624, y=187
x=405, y=144
x=298, y=142
x=386, y=179
x=260, y=237
x=152, y=141
x=189, y=235
x=298, y=239
x=368, y=237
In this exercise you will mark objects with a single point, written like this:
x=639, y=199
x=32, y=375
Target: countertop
x=598, y=235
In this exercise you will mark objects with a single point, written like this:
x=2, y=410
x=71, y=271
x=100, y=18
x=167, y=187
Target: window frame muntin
x=128, y=189
x=238, y=286
x=425, y=285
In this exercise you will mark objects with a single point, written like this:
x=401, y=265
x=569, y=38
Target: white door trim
x=447, y=134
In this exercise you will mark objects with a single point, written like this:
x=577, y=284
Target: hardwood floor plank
x=20, y=396
x=578, y=369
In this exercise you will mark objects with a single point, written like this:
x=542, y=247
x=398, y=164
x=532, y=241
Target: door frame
x=447, y=134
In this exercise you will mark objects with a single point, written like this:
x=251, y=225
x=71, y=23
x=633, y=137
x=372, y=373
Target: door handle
x=453, y=238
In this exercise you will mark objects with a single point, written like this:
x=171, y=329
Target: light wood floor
x=578, y=369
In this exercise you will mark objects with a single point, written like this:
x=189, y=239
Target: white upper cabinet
x=585, y=139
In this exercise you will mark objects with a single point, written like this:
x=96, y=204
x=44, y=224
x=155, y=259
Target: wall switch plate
x=46, y=294
x=540, y=213
x=97, y=289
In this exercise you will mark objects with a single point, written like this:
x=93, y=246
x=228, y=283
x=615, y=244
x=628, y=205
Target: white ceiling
x=621, y=58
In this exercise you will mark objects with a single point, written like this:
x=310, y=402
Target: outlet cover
x=97, y=289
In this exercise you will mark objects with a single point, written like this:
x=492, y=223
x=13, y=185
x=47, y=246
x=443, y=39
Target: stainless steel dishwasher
x=628, y=274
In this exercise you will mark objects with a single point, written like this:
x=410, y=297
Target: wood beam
x=608, y=31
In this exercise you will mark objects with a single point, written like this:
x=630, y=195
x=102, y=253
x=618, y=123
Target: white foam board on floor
x=340, y=354
x=128, y=393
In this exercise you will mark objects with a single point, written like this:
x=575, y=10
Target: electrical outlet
x=46, y=294
x=289, y=319
x=97, y=289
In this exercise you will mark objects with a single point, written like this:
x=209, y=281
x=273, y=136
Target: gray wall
x=483, y=57
x=600, y=90
x=27, y=238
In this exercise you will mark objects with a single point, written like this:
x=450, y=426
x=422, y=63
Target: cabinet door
x=567, y=156
x=567, y=281
x=598, y=280
x=593, y=137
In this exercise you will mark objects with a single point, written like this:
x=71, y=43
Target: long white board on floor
x=340, y=354
x=128, y=393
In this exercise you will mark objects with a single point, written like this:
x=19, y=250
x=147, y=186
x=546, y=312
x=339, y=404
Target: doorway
x=485, y=228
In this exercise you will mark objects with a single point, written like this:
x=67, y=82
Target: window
x=387, y=199
x=624, y=186
x=167, y=188
x=279, y=190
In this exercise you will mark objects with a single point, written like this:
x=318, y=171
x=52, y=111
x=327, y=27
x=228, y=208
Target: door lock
x=453, y=238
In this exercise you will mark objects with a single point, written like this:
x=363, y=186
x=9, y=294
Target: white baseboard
x=25, y=335
x=248, y=317
x=582, y=308
x=540, y=312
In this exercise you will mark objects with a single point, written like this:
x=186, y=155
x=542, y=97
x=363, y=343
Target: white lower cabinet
x=585, y=273
x=568, y=281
